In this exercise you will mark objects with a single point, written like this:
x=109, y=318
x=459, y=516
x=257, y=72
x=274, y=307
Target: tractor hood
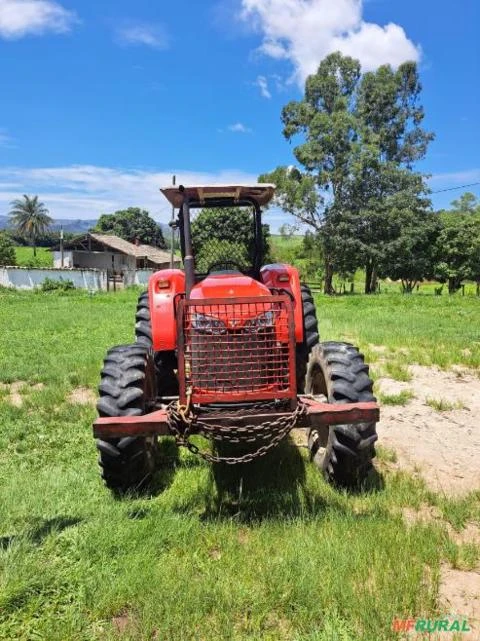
x=228, y=285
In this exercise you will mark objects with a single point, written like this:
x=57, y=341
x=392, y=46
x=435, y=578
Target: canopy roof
x=262, y=193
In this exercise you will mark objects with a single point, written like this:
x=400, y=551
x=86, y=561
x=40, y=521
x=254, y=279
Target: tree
x=7, y=250
x=468, y=203
x=226, y=234
x=390, y=119
x=30, y=219
x=410, y=257
x=459, y=250
x=132, y=224
x=326, y=123
x=359, y=138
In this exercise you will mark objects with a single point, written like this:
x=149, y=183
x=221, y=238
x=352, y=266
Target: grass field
x=25, y=257
x=268, y=552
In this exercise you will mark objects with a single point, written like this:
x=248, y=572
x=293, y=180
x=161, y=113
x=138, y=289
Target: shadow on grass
x=40, y=529
x=167, y=461
x=273, y=486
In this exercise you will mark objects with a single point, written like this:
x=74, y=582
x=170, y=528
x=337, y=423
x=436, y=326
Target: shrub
x=7, y=250
x=50, y=285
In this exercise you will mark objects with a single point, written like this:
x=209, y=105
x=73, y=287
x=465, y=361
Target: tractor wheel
x=310, y=336
x=343, y=453
x=127, y=388
x=143, y=327
x=165, y=362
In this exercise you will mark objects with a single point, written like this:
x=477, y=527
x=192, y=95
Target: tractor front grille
x=233, y=350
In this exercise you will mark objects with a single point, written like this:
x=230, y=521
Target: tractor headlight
x=208, y=324
x=260, y=322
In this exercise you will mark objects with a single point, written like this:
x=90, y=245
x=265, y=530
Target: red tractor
x=229, y=349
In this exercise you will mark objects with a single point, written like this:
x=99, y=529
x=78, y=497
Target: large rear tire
x=343, y=453
x=310, y=336
x=127, y=388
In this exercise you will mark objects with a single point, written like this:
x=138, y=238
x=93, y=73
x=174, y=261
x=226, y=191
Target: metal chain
x=182, y=420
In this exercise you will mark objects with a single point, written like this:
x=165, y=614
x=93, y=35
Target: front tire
x=127, y=388
x=343, y=453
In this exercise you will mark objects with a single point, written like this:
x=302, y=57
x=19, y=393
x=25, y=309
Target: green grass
x=268, y=552
x=441, y=405
x=427, y=330
x=25, y=257
x=402, y=398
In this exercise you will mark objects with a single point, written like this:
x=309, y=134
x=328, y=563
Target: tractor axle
x=318, y=413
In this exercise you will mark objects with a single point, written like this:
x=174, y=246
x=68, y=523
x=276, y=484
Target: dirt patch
x=377, y=349
x=469, y=534
x=17, y=389
x=444, y=447
x=426, y=514
x=431, y=514
x=82, y=396
x=460, y=593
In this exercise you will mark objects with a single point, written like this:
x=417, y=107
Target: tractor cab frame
x=218, y=197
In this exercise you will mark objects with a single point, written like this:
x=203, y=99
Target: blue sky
x=102, y=101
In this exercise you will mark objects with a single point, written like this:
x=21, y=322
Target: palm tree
x=30, y=218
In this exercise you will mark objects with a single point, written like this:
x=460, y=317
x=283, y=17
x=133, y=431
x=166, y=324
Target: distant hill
x=69, y=225
x=77, y=226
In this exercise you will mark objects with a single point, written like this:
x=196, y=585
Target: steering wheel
x=225, y=265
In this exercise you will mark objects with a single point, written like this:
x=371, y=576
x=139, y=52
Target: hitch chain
x=183, y=422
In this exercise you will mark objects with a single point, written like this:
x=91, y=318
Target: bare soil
x=15, y=390
x=82, y=396
x=460, y=595
x=442, y=446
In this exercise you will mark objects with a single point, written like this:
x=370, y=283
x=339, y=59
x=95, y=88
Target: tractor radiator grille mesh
x=237, y=349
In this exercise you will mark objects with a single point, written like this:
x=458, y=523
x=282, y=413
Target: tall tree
x=29, y=217
x=132, y=224
x=326, y=124
x=390, y=117
x=359, y=139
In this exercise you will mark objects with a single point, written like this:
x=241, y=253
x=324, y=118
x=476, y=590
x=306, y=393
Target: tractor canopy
x=220, y=228
x=220, y=195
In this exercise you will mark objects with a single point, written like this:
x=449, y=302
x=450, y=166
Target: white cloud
x=150, y=35
x=305, y=31
x=19, y=18
x=239, y=128
x=456, y=178
x=262, y=83
x=86, y=191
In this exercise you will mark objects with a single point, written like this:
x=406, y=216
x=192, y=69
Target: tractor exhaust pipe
x=188, y=261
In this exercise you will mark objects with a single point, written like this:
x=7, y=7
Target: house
x=103, y=251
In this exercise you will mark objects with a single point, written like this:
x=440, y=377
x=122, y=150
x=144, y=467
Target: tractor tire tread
x=127, y=463
x=346, y=460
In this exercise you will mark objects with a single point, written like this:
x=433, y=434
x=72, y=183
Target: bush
x=221, y=251
x=7, y=251
x=51, y=285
